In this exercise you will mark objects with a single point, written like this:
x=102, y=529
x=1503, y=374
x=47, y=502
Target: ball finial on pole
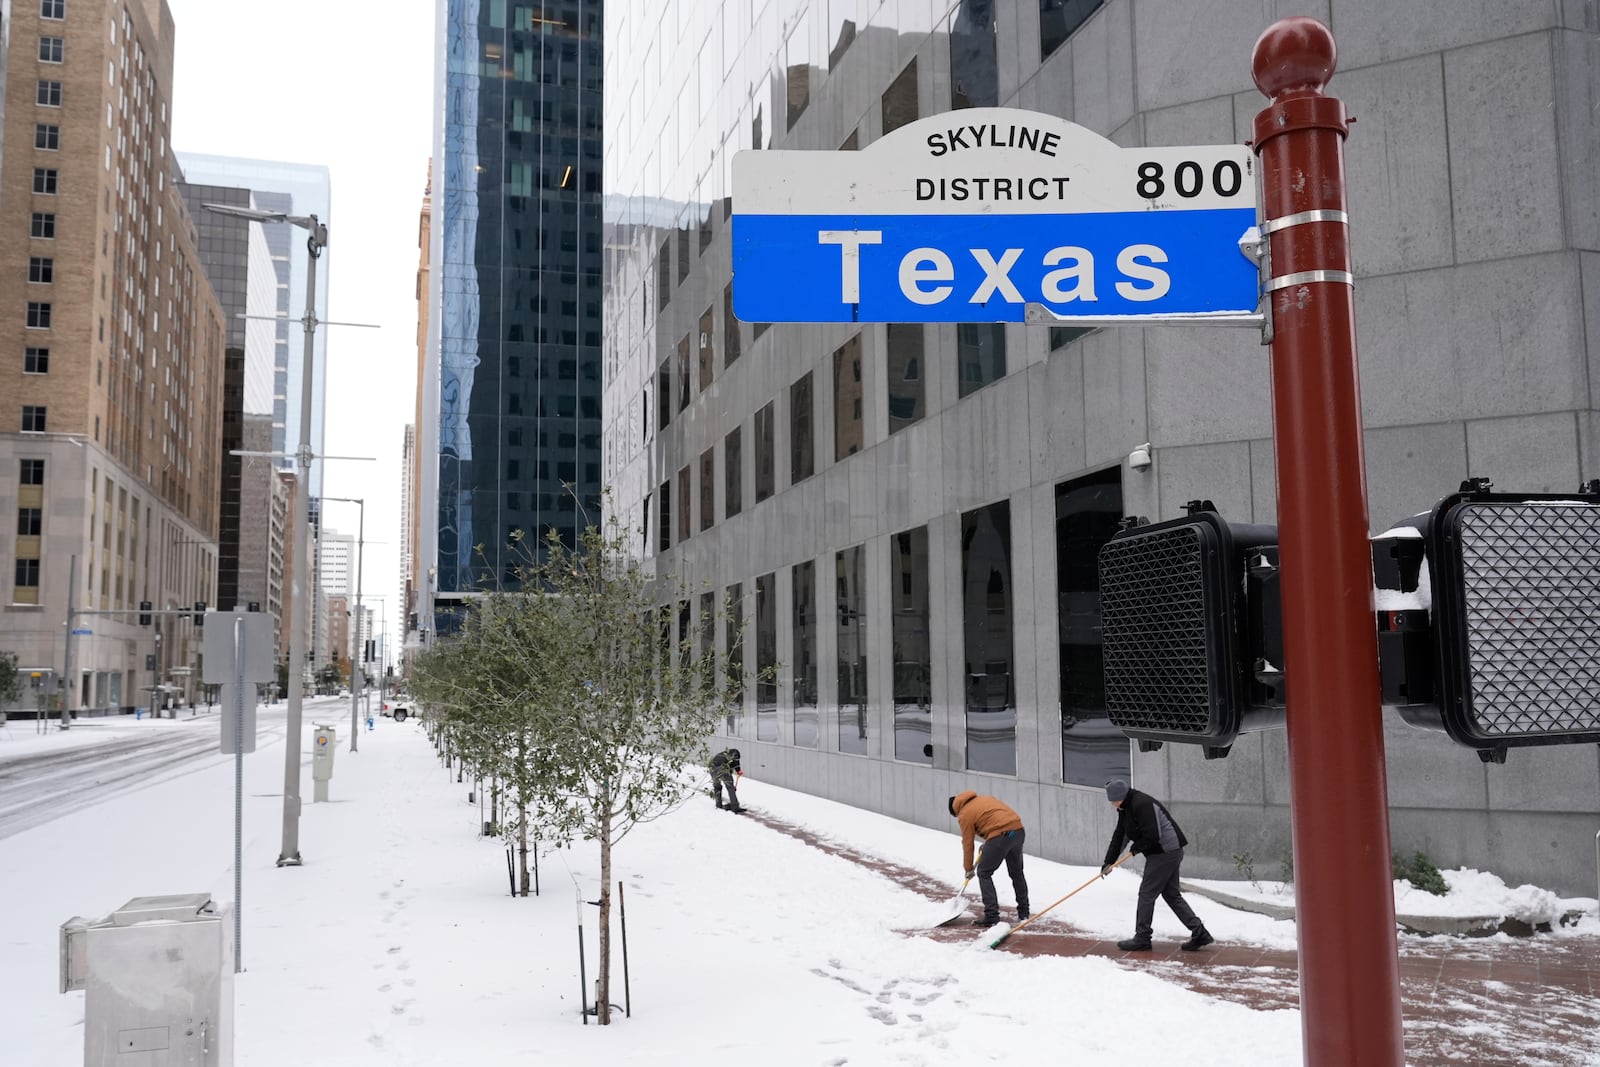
x=1294, y=54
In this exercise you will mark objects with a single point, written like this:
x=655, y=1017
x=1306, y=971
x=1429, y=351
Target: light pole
x=316, y=241
x=356, y=679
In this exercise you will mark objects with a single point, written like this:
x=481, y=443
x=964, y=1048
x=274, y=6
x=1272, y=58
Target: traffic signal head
x=144, y=613
x=1185, y=607
x=1514, y=582
x=199, y=612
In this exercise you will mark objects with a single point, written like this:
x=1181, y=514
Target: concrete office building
x=267, y=540
x=910, y=514
x=114, y=359
x=509, y=434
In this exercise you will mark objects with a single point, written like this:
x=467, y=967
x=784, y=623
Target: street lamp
x=316, y=241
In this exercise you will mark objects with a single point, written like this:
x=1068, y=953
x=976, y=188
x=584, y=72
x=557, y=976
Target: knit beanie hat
x=1116, y=790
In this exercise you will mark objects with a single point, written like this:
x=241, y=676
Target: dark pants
x=1007, y=847
x=720, y=779
x=1161, y=880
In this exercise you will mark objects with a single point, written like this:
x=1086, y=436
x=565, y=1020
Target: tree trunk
x=603, y=1012
x=522, y=847
x=494, y=804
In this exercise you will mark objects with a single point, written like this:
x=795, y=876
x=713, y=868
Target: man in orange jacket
x=1002, y=833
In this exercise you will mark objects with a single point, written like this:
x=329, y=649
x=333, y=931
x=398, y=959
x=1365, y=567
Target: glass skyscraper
x=510, y=441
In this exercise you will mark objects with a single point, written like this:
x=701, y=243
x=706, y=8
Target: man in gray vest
x=725, y=771
x=1143, y=822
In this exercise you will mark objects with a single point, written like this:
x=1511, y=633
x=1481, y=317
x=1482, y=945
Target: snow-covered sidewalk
x=397, y=942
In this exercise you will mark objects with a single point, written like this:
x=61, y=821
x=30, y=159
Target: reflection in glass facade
x=766, y=453
x=804, y=664
x=849, y=429
x=1088, y=511
x=767, y=657
x=802, y=446
x=913, y=654
x=987, y=613
x=905, y=394
x=517, y=275
x=733, y=642
x=850, y=579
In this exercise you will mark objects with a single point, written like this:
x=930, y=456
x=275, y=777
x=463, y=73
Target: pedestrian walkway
x=1477, y=1001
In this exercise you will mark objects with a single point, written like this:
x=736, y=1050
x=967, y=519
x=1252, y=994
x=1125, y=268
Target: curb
x=1457, y=926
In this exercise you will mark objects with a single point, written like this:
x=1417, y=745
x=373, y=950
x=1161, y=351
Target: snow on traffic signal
x=1192, y=641
x=1512, y=588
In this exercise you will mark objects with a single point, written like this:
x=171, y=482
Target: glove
x=969, y=875
x=1107, y=869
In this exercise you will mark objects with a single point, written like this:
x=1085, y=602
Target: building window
x=767, y=658
x=1060, y=19
x=732, y=474
x=35, y=361
x=1088, y=511
x=683, y=251
x=707, y=650
x=33, y=418
x=664, y=394
x=38, y=315
x=43, y=225
x=900, y=99
x=974, y=71
x=730, y=328
x=54, y=9
x=684, y=525
x=849, y=429
x=734, y=641
x=906, y=405
x=912, y=650
x=32, y=472
x=49, y=94
x=802, y=449
x=41, y=269
x=684, y=378
x=46, y=136
x=766, y=452
x=664, y=517
x=664, y=275
x=28, y=522
x=804, y=576
x=1062, y=336
x=708, y=349
x=980, y=354
x=44, y=181
x=850, y=577
x=50, y=50
x=987, y=616
x=27, y=574
x=708, y=488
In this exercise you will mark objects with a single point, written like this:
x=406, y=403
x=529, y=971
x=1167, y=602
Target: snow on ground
x=398, y=944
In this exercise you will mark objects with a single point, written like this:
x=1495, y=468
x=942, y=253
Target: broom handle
x=1081, y=888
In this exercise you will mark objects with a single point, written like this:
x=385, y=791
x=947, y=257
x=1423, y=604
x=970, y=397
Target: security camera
x=1139, y=458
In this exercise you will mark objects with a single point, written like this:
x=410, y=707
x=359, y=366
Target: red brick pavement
x=1523, y=1001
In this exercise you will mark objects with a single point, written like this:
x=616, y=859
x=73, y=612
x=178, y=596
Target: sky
x=398, y=945
x=349, y=86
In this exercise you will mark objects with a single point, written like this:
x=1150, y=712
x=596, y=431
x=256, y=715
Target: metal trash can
x=158, y=980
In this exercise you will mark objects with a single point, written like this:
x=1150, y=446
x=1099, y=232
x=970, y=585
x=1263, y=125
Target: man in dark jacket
x=1001, y=830
x=1143, y=821
x=724, y=770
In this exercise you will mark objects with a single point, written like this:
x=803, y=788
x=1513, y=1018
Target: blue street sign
x=971, y=216
x=82, y=633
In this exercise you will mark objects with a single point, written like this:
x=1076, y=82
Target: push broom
x=996, y=934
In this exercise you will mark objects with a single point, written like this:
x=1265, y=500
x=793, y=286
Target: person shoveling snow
x=1002, y=833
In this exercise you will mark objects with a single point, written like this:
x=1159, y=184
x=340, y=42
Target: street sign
x=82, y=633
x=969, y=216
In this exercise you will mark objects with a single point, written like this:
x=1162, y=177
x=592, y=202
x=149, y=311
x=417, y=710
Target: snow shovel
x=996, y=934
x=957, y=906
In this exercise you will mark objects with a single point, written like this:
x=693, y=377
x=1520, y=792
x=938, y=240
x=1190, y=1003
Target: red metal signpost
x=1349, y=970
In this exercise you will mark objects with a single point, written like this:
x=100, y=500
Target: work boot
x=737, y=811
x=985, y=922
x=720, y=805
x=1198, y=939
x=1135, y=944
x=1022, y=915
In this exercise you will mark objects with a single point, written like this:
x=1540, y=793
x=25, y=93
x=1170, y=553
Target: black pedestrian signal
x=144, y=613
x=1192, y=632
x=199, y=612
x=1501, y=635
x=368, y=653
x=253, y=606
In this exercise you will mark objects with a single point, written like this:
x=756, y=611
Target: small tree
x=11, y=688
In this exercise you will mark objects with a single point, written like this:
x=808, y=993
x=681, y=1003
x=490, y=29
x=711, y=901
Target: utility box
x=157, y=976
x=322, y=746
